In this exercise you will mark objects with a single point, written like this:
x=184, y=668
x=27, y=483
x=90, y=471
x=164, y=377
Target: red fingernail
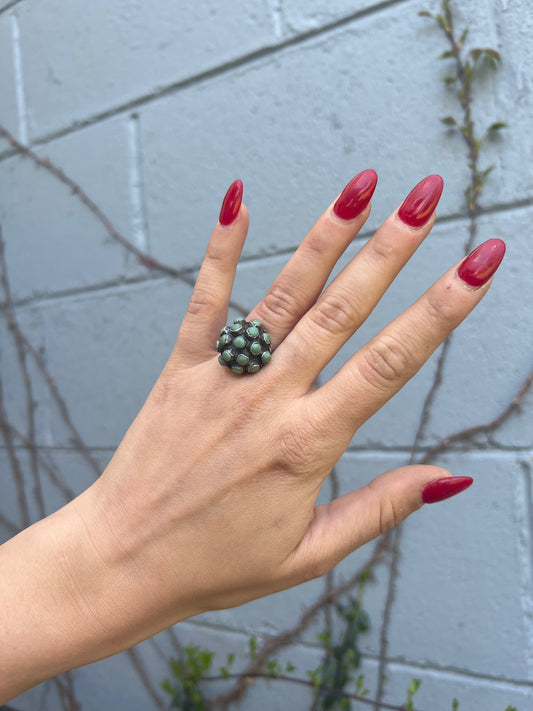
x=421, y=202
x=231, y=204
x=445, y=488
x=481, y=264
x=356, y=195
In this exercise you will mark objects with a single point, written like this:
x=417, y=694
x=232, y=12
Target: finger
x=208, y=307
x=339, y=528
x=379, y=369
x=354, y=293
x=298, y=286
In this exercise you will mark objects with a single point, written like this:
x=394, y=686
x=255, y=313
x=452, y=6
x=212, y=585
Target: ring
x=244, y=347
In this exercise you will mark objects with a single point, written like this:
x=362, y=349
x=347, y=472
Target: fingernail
x=421, y=202
x=481, y=264
x=231, y=204
x=356, y=195
x=441, y=489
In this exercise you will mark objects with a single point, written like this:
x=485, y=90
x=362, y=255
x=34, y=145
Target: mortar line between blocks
x=525, y=541
x=276, y=10
x=140, y=224
x=19, y=81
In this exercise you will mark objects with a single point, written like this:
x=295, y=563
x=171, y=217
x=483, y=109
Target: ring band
x=244, y=347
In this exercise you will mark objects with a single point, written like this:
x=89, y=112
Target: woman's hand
x=209, y=500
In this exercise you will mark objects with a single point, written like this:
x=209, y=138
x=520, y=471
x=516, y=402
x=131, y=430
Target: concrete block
x=81, y=61
x=298, y=126
x=8, y=106
x=462, y=598
x=440, y=687
x=54, y=243
x=106, y=350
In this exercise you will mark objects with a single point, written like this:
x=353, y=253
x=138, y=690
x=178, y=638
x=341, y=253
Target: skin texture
x=206, y=506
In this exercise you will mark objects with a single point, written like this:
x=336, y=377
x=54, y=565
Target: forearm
x=63, y=603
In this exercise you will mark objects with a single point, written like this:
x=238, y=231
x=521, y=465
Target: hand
x=209, y=500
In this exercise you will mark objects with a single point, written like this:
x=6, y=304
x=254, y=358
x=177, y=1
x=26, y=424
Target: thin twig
x=284, y=638
x=12, y=323
x=143, y=257
x=306, y=682
x=468, y=433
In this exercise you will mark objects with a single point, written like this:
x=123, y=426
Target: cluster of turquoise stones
x=244, y=346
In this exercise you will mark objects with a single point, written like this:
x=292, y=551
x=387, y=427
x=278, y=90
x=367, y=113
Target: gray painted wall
x=154, y=108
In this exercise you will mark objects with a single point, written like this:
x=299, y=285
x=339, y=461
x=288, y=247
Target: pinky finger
x=208, y=307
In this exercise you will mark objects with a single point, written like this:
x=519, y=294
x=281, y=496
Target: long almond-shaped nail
x=441, y=489
x=231, y=204
x=481, y=264
x=421, y=202
x=356, y=195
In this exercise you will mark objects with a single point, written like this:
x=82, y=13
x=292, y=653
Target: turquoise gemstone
x=241, y=319
x=221, y=361
x=242, y=359
x=236, y=328
x=239, y=342
x=254, y=367
x=266, y=338
x=225, y=339
x=227, y=355
x=237, y=370
x=257, y=323
x=253, y=332
x=255, y=348
x=266, y=357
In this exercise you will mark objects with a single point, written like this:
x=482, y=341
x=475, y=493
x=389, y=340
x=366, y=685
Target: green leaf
x=224, y=672
x=230, y=659
x=252, y=646
x=455, y=705
x=289, y=667
x=462, y=38
x=440, y=19
x=449, y=121
x=425, y=13
x=449, y=81
x=414, y=686
x=449, y=54
x=497, y=126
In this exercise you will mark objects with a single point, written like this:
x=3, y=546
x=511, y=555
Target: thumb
x=352, y=520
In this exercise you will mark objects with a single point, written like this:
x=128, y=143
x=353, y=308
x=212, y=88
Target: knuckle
x=382, y=249
x=292, y=451
x=279, y=303
x=386, y=361
x=216, y=252
x=388, y=515
x=202, y=301
x=440, y=307
x=334, y=315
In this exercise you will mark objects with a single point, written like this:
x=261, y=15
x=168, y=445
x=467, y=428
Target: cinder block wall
x=154, y=108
